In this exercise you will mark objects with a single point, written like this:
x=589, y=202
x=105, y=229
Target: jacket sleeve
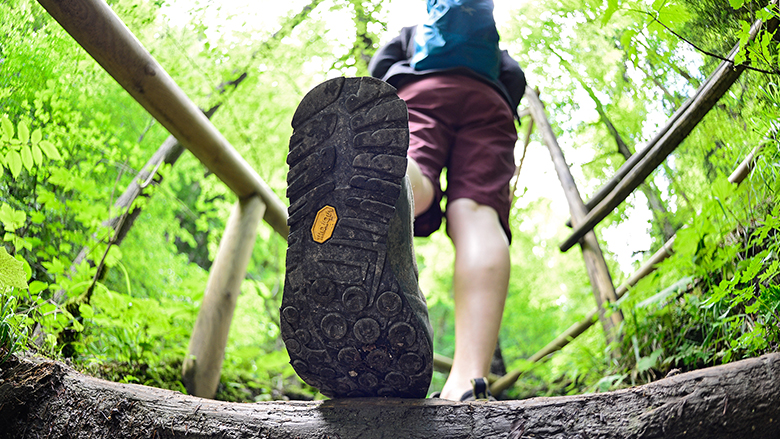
x=399, y=49
x=386, y=56
x=512, y=78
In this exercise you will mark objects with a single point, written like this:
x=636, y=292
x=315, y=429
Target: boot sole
x=347, y=327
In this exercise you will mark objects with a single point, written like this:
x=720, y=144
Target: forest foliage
x=610, y=73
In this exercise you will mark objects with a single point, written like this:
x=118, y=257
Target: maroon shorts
x=465, y=125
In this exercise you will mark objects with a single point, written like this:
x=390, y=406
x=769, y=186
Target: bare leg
x=422, y=188
x=480, y=282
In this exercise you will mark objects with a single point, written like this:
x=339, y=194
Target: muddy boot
x=353, y=318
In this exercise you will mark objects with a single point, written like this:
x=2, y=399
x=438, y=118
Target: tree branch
x=706, y=52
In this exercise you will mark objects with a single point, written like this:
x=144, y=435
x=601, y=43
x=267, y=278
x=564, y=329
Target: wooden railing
x=641, y=164
x=104, y=36
x=585, y=216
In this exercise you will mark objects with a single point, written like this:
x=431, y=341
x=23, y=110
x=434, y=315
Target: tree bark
x=738, y=400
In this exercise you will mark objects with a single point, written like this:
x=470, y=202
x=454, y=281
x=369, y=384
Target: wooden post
x=636, y=171
x=528, y=132
x=598, y=272
x=201, y=369
x=102, y=34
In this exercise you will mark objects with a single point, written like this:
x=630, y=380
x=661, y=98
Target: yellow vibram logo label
x=324, y=224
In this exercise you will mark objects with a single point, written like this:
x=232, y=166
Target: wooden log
x=598, y=272
x=45, y=399
x=102, y=34
x=745, y=167
x=202, y=367
x=638, y=170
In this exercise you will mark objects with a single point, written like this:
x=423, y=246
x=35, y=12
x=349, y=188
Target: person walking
x=461, y=93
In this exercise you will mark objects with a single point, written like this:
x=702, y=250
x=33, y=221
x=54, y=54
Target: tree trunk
x=45, y=399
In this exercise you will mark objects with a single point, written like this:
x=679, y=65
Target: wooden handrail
x=577, y=329
x=598, y=272
x=641, y=165
x=104, y=36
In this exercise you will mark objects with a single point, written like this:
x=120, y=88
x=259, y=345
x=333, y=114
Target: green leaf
x=54, y=267
x=77, y=326
x=23, y=132
x=11, y=271
x=740, y=58
x=744, y=34
x=750, y=273
x=7, y=132
x=771, y=271
x=38, y=217
x=755, y=306
x=626, y=38
x=25, y=266
x=612, y=7
x=37, y=286
x=673, y=15
x=36, y=136
x=114, y=256
x=27, y=158
x=11, y=218
x=14, y=161
x=50, y=150
x=37, y=154
x=765, y=41
x=764, y=14
x=736, y=4
x=86, y=311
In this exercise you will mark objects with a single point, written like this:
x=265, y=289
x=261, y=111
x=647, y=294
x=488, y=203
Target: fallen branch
x=41, y=398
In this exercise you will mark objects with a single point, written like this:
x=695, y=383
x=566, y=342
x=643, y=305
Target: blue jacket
x=392, y=63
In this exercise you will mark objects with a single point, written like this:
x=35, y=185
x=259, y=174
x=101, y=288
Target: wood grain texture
x=739, y=400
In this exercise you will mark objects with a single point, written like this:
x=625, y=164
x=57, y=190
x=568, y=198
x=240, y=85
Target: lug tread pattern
x=347, y=326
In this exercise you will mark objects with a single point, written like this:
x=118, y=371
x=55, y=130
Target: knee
x=422, y=188
x=472, y=224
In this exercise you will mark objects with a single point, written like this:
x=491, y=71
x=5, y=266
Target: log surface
x=41, y=398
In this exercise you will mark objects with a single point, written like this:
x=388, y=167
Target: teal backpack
x=458, y=33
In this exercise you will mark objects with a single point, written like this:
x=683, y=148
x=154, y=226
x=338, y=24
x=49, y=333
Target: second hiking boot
x=352, y=317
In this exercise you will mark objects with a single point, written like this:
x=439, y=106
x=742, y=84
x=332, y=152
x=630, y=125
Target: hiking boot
x=480, y=391
x=352, y=317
